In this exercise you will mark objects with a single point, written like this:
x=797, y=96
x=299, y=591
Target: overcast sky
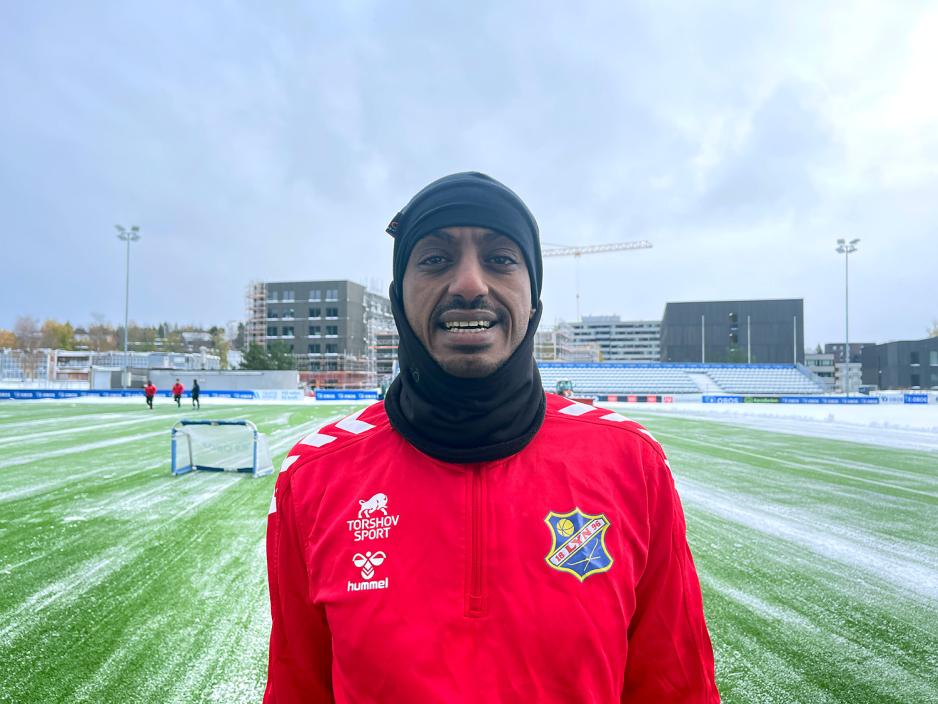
x=275, y=143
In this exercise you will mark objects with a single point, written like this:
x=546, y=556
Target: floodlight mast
x=846, y=248
x=128, y=236
x=577, y=252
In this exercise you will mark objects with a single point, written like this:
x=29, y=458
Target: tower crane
x=557, y=250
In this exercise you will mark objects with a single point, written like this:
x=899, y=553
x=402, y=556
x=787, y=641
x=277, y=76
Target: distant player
x=149, y=391
x=177, y=392
x=195, y=394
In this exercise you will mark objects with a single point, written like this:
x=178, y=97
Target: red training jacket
x=149, y=390
x=559, y=574
x=178, y=389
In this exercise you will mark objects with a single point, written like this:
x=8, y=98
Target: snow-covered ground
x=911, y=427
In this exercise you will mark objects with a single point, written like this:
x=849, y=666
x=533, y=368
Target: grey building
x=758, y=332
x=620, y=340
x=320, y=322
x=326, y=325
x=837, y=349
x=907, y=364
x=822, y=366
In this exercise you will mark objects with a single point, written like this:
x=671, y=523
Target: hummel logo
x=368, y=562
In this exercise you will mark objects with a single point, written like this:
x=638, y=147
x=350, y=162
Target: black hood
x=452, y=418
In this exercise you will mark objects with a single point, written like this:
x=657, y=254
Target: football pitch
x=818, y=559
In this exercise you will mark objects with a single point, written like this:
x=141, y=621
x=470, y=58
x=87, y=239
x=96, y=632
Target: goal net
x=219, y=446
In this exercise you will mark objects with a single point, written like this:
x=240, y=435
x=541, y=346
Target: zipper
x=476, y=602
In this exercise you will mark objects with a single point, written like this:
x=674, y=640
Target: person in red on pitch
x=149, y=391
x=473, y=538
x=177, y=392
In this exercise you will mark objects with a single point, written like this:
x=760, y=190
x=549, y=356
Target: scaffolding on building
x=255, y=330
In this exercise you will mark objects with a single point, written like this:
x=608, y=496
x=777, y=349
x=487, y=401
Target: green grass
x=120, y=583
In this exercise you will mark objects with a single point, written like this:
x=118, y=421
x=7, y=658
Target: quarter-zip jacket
x=558, y=574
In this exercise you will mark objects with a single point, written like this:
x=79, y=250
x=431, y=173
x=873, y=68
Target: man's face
x=467, y=297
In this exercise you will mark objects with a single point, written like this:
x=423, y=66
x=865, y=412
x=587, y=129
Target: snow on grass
x=119, y=582
x=912, y=568
x=902, y=426
x=67, y=589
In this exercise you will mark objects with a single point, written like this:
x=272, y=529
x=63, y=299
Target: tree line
x=29, y=334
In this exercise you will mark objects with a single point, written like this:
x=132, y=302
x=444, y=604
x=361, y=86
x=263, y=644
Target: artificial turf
x=121, y=583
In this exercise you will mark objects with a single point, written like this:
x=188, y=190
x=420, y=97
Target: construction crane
x=558, y=250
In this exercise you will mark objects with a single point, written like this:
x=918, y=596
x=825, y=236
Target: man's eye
x=502, y=260
x=433, y=260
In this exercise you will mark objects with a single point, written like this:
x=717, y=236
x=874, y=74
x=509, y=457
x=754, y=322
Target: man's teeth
x=468, y=325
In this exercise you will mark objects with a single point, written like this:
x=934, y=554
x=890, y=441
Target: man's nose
x=469, y=280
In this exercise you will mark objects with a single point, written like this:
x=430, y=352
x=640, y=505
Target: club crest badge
x=578, y=543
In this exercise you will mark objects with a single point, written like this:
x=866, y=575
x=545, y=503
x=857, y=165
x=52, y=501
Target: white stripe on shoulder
x=353, y=425
x=649, y=435
x=317, y=439
x=288, y=461
x=614, y=417
x=273, y=504
x=577, y=409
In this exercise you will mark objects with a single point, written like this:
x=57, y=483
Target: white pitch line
x=84, y=428
x=799, y=465
x=114, y=442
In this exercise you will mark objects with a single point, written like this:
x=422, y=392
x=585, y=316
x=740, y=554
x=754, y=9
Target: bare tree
x=26, y=329
x=101, y=336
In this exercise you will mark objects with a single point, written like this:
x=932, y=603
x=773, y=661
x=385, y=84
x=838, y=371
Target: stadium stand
x=609, y=378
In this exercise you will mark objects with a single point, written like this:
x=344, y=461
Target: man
x=177, y=393
x=149, y=391
x=472, y=539
x=196, y=390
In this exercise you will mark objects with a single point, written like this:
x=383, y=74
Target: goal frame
x=178, y=432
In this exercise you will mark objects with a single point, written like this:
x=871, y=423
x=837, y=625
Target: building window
x=916, y=380
x=271, y=331
x=315, y=330
x=332, y=312
x=913, y=357
x=288, y=314
x=272, y=296
x=288, y=331
x=272, y=314
x=315, y=295
x=315, y=312
x=332, y=331
x=332, y=348
x=287, y=297
x=933, y=358
x=332, y=294
x=315, y=348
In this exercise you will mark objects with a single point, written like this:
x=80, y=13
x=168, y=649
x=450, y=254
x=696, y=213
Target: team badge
x=578, y=543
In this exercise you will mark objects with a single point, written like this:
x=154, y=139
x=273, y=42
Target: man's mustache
x=460, y=303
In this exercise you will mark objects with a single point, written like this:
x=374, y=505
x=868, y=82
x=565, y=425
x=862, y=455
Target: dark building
x=907, y=364
x=837, y=349
x=760, y=332
x=328, y=326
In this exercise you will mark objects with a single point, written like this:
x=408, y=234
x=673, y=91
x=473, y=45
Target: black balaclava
x=452, y=418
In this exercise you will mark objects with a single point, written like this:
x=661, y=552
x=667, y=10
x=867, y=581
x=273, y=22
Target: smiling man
x=474, y=539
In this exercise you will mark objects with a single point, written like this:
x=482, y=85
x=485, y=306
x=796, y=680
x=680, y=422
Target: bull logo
x=378, y=502
x=368, y=562
x=578, y=543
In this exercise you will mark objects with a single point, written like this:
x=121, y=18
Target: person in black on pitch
x=195, y=394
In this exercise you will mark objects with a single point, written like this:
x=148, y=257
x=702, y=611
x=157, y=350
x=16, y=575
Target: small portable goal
x=219, y=446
